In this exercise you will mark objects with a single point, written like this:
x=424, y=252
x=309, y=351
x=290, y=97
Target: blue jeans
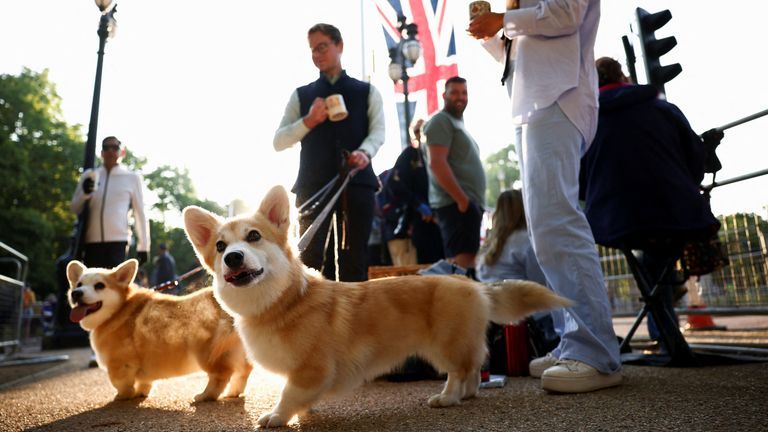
x=549, y=148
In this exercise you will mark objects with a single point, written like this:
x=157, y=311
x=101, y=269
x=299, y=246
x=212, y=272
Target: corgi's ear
x=126, y=272
x=75, y=269
x=201, y=227
x=275, y=207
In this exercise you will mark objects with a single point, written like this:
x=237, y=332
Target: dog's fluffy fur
x=326, y=336
x=140, y=335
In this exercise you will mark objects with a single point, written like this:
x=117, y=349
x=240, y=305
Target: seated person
x=507, y=253
x=641, y=177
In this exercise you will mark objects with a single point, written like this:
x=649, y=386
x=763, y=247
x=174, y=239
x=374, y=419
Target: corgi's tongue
x=81, y=311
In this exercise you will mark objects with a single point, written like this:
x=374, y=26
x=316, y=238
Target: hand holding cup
x=317, y=113
x=337, y=109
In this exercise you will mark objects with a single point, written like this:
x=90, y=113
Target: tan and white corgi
x=140, y=335
x=327, y=337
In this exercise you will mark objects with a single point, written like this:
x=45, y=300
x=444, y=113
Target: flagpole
x=362, y=42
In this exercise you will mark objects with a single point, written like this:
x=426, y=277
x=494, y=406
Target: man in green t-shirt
x=456, y=177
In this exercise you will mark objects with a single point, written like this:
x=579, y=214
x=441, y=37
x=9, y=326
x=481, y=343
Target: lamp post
x=403, y=56
x=66, y=333
x=107, y=27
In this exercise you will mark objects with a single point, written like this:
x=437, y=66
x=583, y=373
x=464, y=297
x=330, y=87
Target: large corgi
x=140, y=335
x=326, y=337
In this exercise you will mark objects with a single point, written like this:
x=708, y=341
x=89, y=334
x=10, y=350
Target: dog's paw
x=441, y=400
x=231, y=395
x=272, y=419
x=205, y=397
x=126, y=395
x=142, y=390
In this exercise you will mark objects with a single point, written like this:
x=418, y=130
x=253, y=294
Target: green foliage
x=501, y=171
x=39, y=166
x=40, y=163
x=175, y=191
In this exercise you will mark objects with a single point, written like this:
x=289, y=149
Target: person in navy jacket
x=641, y=177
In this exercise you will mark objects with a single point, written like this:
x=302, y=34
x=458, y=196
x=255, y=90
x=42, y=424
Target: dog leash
x=174, y=283
x=314, y=201
x=309, y=234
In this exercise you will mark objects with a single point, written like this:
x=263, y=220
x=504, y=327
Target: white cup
x=478, y=8
x=337, y=110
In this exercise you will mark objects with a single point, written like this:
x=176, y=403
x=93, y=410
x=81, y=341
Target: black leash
x=174, y=283
x=314, y=201
x=309, y=234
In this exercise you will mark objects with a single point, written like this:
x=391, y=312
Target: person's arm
x=140, y=219
x=292, y=126
x=376, y=131
x=441, y=170
x=549, y=18
x=370, y=146
x=79, y=198
x=495, y=47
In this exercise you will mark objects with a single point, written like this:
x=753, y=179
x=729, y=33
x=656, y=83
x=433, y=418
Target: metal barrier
x=11, y=310
x=11, y=300
x=740, y=288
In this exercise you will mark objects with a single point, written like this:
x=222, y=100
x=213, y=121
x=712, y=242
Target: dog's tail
x=513, y=300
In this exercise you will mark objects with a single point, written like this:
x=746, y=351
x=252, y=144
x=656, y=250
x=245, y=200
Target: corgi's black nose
x=234, y=259
x=76, y=296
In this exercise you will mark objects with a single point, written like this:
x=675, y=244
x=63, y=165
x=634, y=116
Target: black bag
x=701, y=257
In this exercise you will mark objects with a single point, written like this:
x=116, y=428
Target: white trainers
x=537, y=366
x=573, y=376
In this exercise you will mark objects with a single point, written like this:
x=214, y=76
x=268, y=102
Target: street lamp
x=66, y=333
x=403, y=56
x=107, y=29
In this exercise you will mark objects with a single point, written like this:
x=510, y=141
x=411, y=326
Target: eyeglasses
x=320, y=48
x=109, y=147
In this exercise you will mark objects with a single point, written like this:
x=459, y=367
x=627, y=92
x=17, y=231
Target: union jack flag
x=438, y=60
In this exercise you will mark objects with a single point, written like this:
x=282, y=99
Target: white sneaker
x=573, y=376
x=537, y=366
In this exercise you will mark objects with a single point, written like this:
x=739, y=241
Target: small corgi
x=140, y=335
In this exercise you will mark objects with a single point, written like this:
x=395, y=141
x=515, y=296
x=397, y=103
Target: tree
x=175, y=191
x=40, y=163
x=39, y=166
x=501, y=172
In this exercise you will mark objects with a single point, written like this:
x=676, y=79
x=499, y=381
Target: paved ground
x=67, y=396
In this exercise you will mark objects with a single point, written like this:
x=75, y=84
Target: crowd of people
x=429, y=207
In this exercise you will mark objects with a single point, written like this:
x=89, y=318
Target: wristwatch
x=365, y=152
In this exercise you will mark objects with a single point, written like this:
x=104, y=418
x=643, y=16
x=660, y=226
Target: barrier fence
x=739, y=287
x=13, y=267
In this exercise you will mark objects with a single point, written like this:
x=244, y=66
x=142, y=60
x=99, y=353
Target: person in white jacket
x=111, y=191
x=548, y=52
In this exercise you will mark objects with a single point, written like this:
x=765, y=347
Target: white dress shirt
x=553, y=59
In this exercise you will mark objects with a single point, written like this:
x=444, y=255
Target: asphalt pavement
x=66, y=395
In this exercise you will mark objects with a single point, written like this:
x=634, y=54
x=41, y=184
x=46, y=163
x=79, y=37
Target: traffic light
x=652, y=48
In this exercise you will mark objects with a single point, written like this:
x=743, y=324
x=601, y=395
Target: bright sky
x=204, y=84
